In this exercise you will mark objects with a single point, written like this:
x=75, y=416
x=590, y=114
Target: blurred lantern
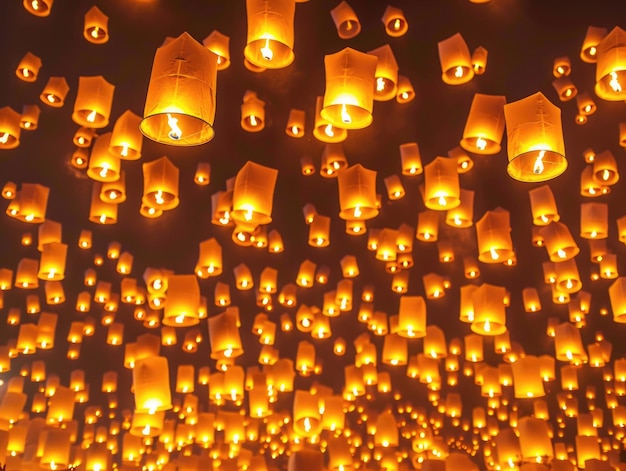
x=333, y=160
x=103, y=166
x=28, y=67
x=94, y=98
x=218, y=44
x=611, y=66
x=253, y=194
x=160, y=184
x=463, y=161
x=479, y=60
x=562, y=66
x=357, y=193
x=350, y=85
x=493, y=236
x=151, y=384
x=427, y=226
x=202, y=176
x=9, y=128
x=83, y=137
x=589, y=47
x=224, y=336
x=180, y=104
x=52, y=261
x=183, y=300
x=346, y=21
x=54, y=92
x=605, y=168
x=395, y=189
x=455, y=60
x=594, y=220
x=543, y=205
x=252, y=112
x=410, y=159
x=295, y=123
x=585, y=104
x=126, y=138
x=395, y=22
x=567, y=276
x=568, y=344
x=95, y=29
x=535, y=139
x=386, y=73
x=565, y=88
x=441, y=184
x=489, y=312
x=527, y=379
x=270, y=33
x=114, y=192
x=484, y=126
x=319, y=231
x=31, y=202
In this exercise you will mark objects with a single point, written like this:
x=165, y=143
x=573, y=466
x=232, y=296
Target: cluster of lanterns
x=244, y=425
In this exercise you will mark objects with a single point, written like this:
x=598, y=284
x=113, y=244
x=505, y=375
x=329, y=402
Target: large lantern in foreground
x=270, y=33
x=180, y=105
x=349, y=95
x=535, y=139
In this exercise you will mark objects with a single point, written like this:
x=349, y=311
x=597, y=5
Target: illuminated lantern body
x=617, y=294
x=543, y=205
x=411, y=159
x=485, y=125
x=295, y=125
x=589, y=47
x=160, y=184
x=270, y=33
x=346, y=21
x=126, y=138
x=493, y=233
x=252, y=112
x=95, y=29
x=565, y=88
x=103, y=166
x=209, y=259
x=324, y=130
x=535, y=139
x=224, y=336
x=463, y=214
x=253, y=194
x=180, y=104
x=441, y=184
x=100, y=211
x=611, y=66
x=527, y=378
x=9, y=128
x=357, y=193
x=350, y=85
x=54, y=92
x=455, y=60
x=405, y=90
x=412, y=317
x=386, y=73
x=218, y=44
x=52, y=263
x=151, y=384
x=605, y=168
x=594, y=220
x=183, y=301
x=28, y=68
x=395, y=22
x=93, y=102
x=30, y=117
x=559, y=242
x=479, y=60
x=489, y=312
x=32, y=202
x=568, y=343
x=39, y=8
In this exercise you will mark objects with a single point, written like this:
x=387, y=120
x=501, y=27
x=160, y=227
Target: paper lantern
x=253, y=194
x=605, y=168
x=9, y=128
x=114, y=192
x=209, y=262
x=270, y=33
x=535, y=139
x=527, y=378
x=410, y=159
x=559, y=242
x=100, y=211
x=493, y=236
x=93, y=102
x=180, y=104
x=224, y=336
x=412, y=317
x=103, y=166
x=319, y=231
x=489, y=312
x=611, y=66
x=568, y=344
x=183, y=300
x=455, y=60
x=346, y=21
x=95, y=29
x=484, y=126
x=126, y=138
x=565, y=88
x=28, y=67
x=54, y=92
x=594, y=222
x=151, y=384
x=441, y=184
x=295, y=124
x=218, y=44
x=543, y=205
x=386, y=73
x=395, y=22
x=350, y=85
x=589, y=48
x=357, y=193
x=160, y=184
x=252, y=112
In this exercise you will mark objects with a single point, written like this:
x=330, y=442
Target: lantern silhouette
x=126, y=138
x=441, y=184
x=350, y=84
x=252, y=112
x=346, y=21
x=357, y=193
x=54, y=92
x=180, y=104
x=9, y=128
x=395, y=22
x=270, y=33
x=386, y=73
x=95, y=29
x=160, y=184
x=611, y=66
x=151, y=384
x=93, y=102
x=484, y=126
x=455, y=60
x=535, y=139
x=253, y=194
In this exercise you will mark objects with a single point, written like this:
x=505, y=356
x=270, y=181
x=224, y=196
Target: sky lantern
x=270, y=33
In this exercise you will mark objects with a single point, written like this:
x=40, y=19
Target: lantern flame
x=458, y=72
x=380, y=84
x=91, y=117
x=345, y=116
x=614, y=82
x=397, y=24
x=494, y=253
x=481, y=144
x=4, y=138
x=538, y=168
x=266, y=51
x=295, y=130
x=124, y=151
x=328, y=130
x=175, y=132
x=357, y=211
x=253, y=120
x=95, y=32
x=35, y=5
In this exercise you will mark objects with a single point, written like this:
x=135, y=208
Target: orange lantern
x=95, y=29
x=610, y=66
x=9, y=128
x=395, y=22
x=93, y=102
x=357, y=193
x=441, y=184
x=455, y=60
x=252, y=112
x=218, y=44
x=484, y=126
x=253, y=194
x=270, y=33
x=346, y=21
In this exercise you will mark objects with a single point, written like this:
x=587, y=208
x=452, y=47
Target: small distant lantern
x=160, y=184
x=28, y=68
x=585, y=104
x=295, y=123
x=565, y=88
x=589, y=47
x=395, y=22
x=54, y=92
x=9, y=128
x=455, y=60
x=218, y=44
x=126, y=138
x=209, y=259
x=611, y=66
x=270, y=33
x=30, y=117
x=605, y=168
x=252, y=112
x=535, y=139
x=405, y=91
x=319, y=231
x=84, y=137
x=346, y=21
x=96, y=27
x=531, y=300
x=485, y=125
x=173, y=113
x=411, y=159
x=463, y=214
x=114, y=192
x=441, y=184
x=103, y=166
x=101, y=212
x=479, y=60
x=350, y=88
x=594, y=220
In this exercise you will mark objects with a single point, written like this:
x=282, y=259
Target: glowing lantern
x=160, y=184
x=253, y=194
x=386, y=73
x=295, y=123
x=93, y=102
x=357, y=193
x=100, y=211
x=319, y=231
x=9, y=128
x=605, y=168
x=26, y=273
x=589, y=48
x=61, y=406
x=484, y=126
x=535, y=139
x=543, y=205
x=489, y=313
x=114, y=192
x=395, y=22
x=527, y=377
x=350, y=85
x=218, y=44
x=151, y=384
x=594, y=222
x=411, y=159
x=405, y=91
x=462, y=215
x=252, y=112
x=412, y=317
x=180, y=104
x=103, y=166
x=386, y=431
x=224, y=336
x=183, y=301
x=565, y=88
x=324, y=130
x=95, y=29
x=455, y=60
x=54, y=92
x=346, y=21
x=305, y=358
x=126, y=138
x=52, y=262
x=209, y=259
x=559, y=242
x=270, y=33
x=28, y=67
x=567, y=276
x=610, y=67
x=568, y=344
x=395, y=189
x=441, y=189
x=493, y=236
